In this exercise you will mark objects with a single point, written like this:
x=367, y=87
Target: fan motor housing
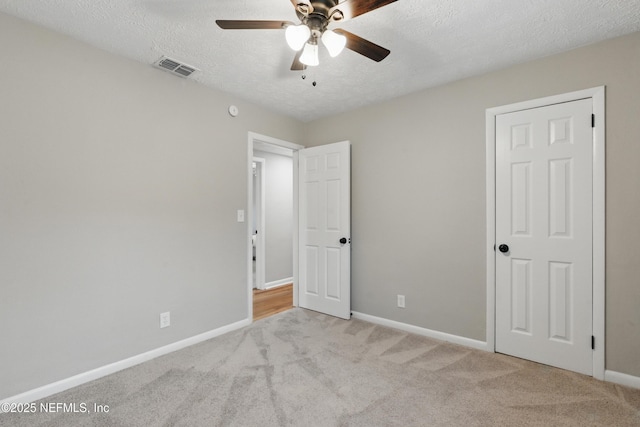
x=320, y=9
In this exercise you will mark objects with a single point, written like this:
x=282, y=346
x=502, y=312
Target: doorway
x=545, y=252
x=272, y=217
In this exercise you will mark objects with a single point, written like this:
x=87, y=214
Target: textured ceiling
x=431, y=41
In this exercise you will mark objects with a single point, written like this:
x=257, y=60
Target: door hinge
x=593, y=342
x=593, y=120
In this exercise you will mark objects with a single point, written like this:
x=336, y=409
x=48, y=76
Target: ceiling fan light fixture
x=297, y=36
x=310, y=55
x=334, y=42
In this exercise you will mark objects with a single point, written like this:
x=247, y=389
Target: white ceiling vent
x=175, y=67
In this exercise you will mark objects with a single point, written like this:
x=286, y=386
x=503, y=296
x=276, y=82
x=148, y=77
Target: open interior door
x=325, y=229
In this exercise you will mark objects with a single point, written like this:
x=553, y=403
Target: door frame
x=266, y=141
x=597, y=95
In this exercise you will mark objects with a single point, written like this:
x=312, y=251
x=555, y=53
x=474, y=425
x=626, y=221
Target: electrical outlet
x=165, y=319
x=401, y=301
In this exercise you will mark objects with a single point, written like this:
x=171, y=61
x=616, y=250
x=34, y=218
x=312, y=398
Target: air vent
x=175, y=67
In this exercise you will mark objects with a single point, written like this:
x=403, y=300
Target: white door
x=325, y=229
x=544, y=235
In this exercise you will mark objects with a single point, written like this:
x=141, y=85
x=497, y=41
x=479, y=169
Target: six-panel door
x=324, y=200
x=544, y=214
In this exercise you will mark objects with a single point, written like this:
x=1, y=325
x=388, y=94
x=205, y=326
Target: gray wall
x=115, y=205
x=278, y=216
x=418, y=195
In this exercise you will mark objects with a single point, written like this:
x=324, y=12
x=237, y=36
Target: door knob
x=343, y=240
x=503, y=248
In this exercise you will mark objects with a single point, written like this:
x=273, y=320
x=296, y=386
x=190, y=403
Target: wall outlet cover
x=165, y=319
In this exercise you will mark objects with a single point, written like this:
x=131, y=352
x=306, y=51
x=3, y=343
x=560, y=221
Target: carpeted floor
x=302, y=368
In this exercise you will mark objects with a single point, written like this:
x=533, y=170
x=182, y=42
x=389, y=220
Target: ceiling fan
x=315, y=16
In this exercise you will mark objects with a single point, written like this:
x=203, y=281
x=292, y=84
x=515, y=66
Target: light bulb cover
x=334, y=42
x=310, y=55
x=297, y=36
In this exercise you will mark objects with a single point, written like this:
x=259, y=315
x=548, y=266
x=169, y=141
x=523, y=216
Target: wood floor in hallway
x=272, y=301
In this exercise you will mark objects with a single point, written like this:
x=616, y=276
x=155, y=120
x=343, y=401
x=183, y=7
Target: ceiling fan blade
x=352, y=8
x=297, y=65
x=364, y=47
x=252, y=25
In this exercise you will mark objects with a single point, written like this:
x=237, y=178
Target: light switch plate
x=240, y=215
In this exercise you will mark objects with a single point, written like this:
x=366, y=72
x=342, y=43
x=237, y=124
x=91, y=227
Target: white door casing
x=597, y=96
x=544, y=215
x=324, y=219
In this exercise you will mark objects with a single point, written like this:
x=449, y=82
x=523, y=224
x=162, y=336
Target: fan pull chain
x=304, y=76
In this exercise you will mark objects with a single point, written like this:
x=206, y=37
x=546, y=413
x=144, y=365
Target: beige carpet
x=301, y=368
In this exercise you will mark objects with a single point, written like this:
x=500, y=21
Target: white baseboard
x=622, y=379
x=85, y=377
x=467, y=342
x=277, y=283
